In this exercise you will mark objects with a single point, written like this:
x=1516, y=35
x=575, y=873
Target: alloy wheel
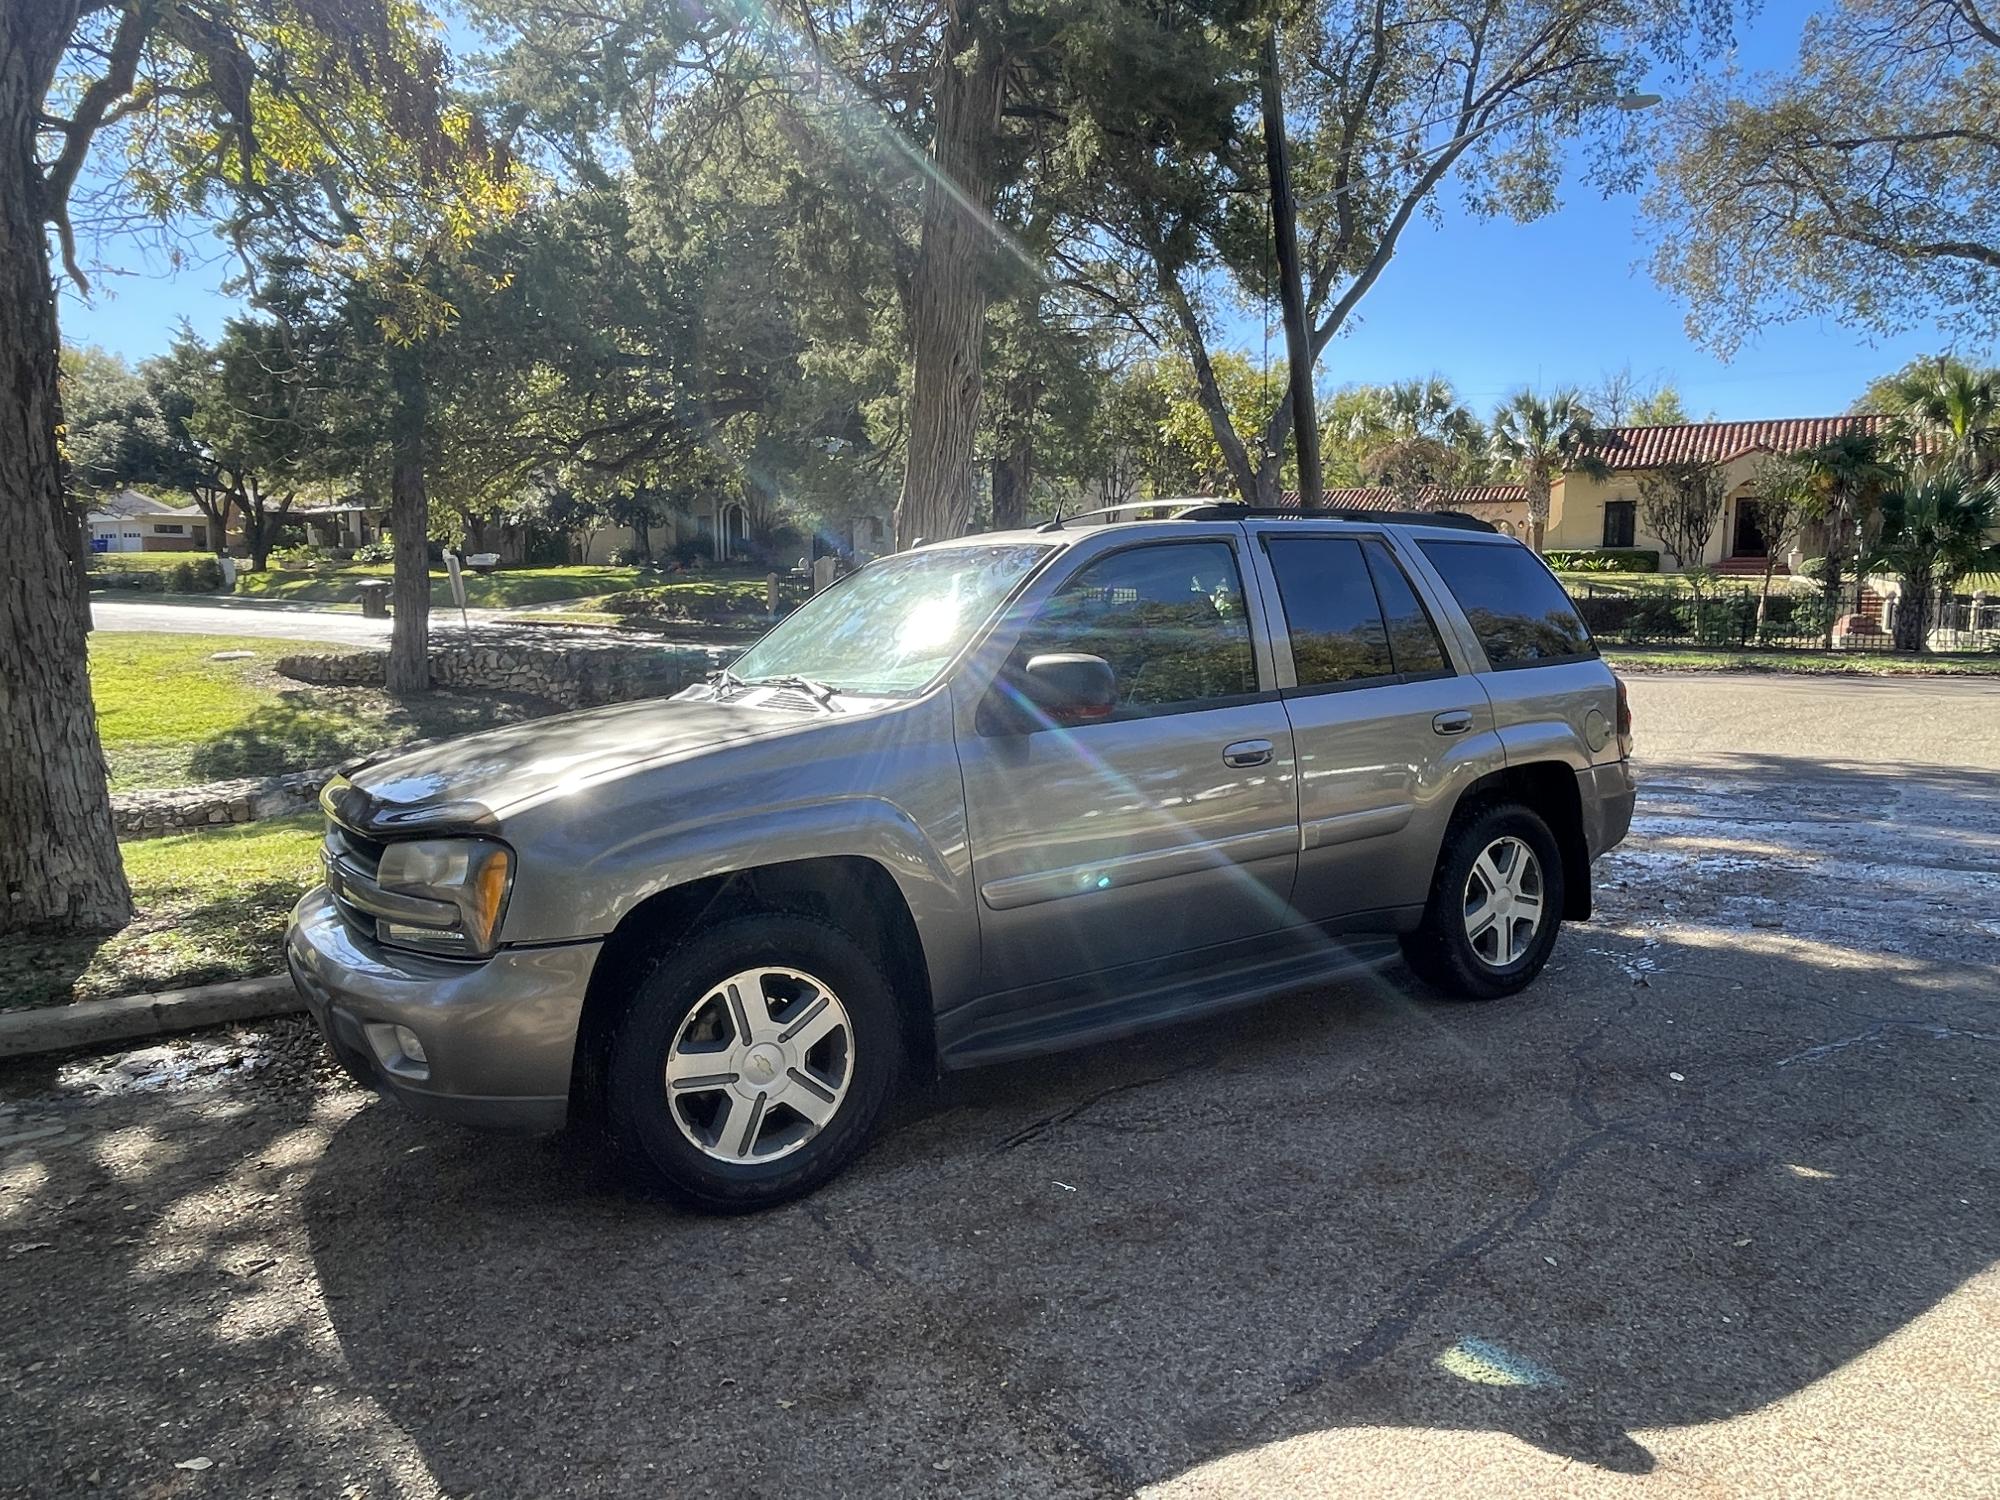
x=760, y=1065
x=1503, y=902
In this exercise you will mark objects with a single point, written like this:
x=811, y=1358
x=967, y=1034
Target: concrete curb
x=58, y=1028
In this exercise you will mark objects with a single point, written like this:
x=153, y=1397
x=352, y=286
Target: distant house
x=1586, y=513
x=1505, y=506
x=132, y=522
x=718, y=528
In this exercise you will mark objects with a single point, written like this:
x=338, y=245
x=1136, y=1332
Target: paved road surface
x=277, y=621
x=1713, y=1209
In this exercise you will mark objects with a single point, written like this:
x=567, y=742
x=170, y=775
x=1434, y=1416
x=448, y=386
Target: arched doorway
x=735, y=531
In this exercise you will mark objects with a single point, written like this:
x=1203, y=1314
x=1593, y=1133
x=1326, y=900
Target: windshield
x=895, y=625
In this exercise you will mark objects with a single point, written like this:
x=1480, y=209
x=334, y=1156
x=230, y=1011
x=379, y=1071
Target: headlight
x=443, y=896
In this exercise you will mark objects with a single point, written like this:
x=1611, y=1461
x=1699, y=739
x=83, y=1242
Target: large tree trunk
x=1291, y=287
x=410, y=517
x=949, y=290
x=1013, y=470
x=1912, y=630
x=59, y=864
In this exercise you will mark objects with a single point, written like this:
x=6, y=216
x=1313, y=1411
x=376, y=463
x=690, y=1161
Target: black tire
x=1440, y=951
x=638, y=1113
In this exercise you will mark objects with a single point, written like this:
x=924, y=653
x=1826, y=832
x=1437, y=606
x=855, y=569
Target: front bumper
x=1608, y=792
x=499, y=1037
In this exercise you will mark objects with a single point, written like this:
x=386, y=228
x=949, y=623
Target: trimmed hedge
x=1605, y=560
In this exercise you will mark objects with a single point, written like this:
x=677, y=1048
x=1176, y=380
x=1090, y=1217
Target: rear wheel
x=754, y=1062
x=1495, y=905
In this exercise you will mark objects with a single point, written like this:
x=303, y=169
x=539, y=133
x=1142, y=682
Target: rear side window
x=1330, y=610
x=1517, y=609
x=1350, y=612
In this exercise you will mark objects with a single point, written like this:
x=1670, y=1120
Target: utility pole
x=1291, y=290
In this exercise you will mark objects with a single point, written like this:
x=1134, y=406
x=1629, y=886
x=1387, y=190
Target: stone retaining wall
x=573, y=673
x=152, y=814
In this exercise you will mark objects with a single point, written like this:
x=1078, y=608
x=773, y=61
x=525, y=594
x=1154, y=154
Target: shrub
x=375, y=552
x=1605, y=560
x=143, y=581
x=624, y=557
x=1813, y=568
x=299, y=559
x=197, y=575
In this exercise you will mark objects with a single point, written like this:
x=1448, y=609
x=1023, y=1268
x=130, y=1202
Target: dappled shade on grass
x=212, y=906
x=171, y=715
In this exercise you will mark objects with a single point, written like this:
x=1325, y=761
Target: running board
x=1077, y=1013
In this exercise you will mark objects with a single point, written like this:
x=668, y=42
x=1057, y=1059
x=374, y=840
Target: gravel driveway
x=1713, y=1207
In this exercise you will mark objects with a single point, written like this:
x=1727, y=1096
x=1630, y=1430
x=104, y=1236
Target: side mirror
x=1070, y=687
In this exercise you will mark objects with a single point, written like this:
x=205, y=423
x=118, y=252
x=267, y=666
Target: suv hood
x=471, y=783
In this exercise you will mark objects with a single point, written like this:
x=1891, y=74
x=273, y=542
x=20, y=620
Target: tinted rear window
x=1517, y=609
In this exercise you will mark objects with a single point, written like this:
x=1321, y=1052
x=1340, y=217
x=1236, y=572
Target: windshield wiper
x=722, y=678
x=819, y=692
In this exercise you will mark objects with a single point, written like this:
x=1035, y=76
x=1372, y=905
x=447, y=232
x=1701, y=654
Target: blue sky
x=1491, y=305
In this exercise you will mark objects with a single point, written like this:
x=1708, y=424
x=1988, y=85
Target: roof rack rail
x=1236, y=510
x=1179, y=507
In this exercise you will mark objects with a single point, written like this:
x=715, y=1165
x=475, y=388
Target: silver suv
x=981, y=800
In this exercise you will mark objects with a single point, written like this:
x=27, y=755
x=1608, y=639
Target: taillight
x=1624, y=719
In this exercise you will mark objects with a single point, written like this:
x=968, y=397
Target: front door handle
x=1456, y=722
x=1246, y=753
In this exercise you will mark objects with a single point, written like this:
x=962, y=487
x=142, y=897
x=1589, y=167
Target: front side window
x=1620, y=522
x=892, y=627
x=1514, y=604
x=1168, y=618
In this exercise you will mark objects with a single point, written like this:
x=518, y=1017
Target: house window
x=167, y=528
x=1620, y=519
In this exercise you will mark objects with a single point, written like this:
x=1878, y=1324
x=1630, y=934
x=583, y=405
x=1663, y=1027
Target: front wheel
x=754, y=1062
x=1495, y=905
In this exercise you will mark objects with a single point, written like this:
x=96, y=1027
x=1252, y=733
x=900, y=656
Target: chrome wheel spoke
x=814, y=1025
x=811, y=1098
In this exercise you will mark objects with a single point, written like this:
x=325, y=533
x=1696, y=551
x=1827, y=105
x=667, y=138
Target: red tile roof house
x=1504, y=505
x=1587, y=513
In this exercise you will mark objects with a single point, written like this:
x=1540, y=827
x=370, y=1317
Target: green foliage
x=1864, y=184
x=195, y=575
x=375, y=552
x=1606, y=560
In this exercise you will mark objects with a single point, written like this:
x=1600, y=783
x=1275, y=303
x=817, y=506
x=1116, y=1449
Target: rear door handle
x=1246, y=753
x=1456, y=722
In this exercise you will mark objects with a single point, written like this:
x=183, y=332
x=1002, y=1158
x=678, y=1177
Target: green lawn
x=211, y=905
x=143, y=562
x=507, y=589
x=169, y=715
x=1815, y=663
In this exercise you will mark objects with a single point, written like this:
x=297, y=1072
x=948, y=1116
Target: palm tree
x=1933, y=533
x=1541, y=440
x=1955, y=407
x=1847, y=476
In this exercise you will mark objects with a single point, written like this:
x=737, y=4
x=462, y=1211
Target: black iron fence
x=1725, y=618
x=1730, y=618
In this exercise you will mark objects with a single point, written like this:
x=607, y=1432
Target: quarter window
x=1514, y=604
x=1168, y=618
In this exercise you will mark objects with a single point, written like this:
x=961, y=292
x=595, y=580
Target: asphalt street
x=1714, y=1208
x=296, y=622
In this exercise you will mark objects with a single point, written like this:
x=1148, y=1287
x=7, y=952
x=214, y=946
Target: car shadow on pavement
x=1699, y=1167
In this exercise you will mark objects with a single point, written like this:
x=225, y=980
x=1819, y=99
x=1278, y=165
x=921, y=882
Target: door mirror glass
x=1069, y=687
